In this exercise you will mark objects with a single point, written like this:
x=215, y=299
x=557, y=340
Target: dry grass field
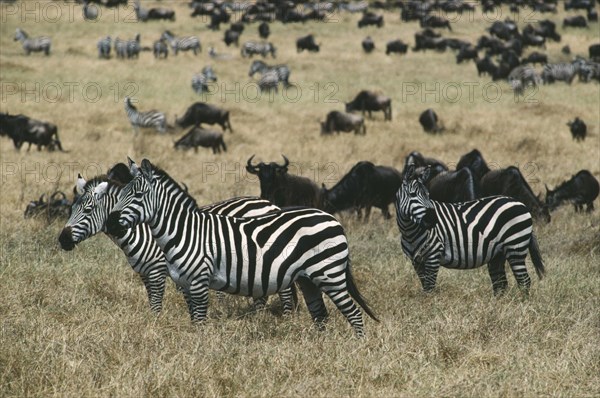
x=78, y=323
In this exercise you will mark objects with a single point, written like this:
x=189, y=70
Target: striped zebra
x=252, y=47
x=90, y=212
x=104, y=46
x=134, y=47
x=269, y=81
x=37, y=44
x=564, y=72
x=522, y=77
x=139, y=119
x=254, y=257
x=465, y=235
x=282, y=70
x=121, y=48
x=182, y=43
x=201, y=80
x=160, y=49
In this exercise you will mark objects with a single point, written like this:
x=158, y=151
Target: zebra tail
x=536, y=257
x=355, y=294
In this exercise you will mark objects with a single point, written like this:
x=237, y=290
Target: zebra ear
x=133, y=168
x=147, y=169
x=425, y=175
x=80, y=184
x=100, y=190
x=409, y=172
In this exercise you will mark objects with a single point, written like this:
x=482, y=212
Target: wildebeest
x=466, y=53
x=264, y=30
x=594, y=52
x=396, y=46
x=57, y=207
x=452, y=186
x=430, y=122
x=427, y=39
x=231, y=37
x=486, y=66
x=158, y=13
x=370, y=101
x=307, y=43
x=201, y=112
x=368, y=44
x=199, y=136
x=434, y=21
x=535, y=58
x=363, y=187
x=21, y=129
x=578, y=4
x=418, y=160
x=370, y=18
x=284, y=189
x=338, y=121
x=578, y=129
x=581, y=189
x=577, y=21
x=217, y=17
x=592, y=15
x=504, y=30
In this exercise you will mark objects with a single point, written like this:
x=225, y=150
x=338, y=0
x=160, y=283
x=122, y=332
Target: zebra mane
x=100, y=179
x=166, y=178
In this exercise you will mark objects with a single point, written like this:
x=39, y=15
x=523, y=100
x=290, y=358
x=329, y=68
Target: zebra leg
x=314, y=301
x=198, y=300
x=427, y=270
x=155, y=288
x=498, y=274
x=288, y=300
x=517, y=265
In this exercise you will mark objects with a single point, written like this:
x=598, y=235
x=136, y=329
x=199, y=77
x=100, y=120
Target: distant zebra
x=587, y=70
x=523, y=76
x=133, y=47
x=104, y=46
x=465, y=235
x=255, y=257
x=282, y=71
x=90, y=212
x=160, y=49
x=200, y=81
x=269, y=81
x=121, y=48
x=152, y=118
x=182, y=43
x=37, y=44
x=564, y=72
x=252, y=47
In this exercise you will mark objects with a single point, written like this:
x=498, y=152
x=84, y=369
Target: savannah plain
x=78, y=323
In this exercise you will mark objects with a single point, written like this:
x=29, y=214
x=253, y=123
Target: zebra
x=586, y=70
x=182, y=43
x=200, y=81
x=269, y=81
x=252, y=47
x=282, y=70
x=563, y=71
x=160, y=49
x=104, y=46
x=88, y=217
x=133, y=47
x=139, y=119
x=465, y=235
x=255, y=257
x=523, y=76
x=37, y=44
x=121, y=48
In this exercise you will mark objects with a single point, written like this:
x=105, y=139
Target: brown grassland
x=78, y=323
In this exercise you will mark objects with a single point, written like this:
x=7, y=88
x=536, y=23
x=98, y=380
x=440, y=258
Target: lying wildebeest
x=452, y=186
x=370, y=101
x=510, y=182
x=283, y=189
x=577, y=21
x=201, y=112
x=307, y=43
x=368, y=44
x=339, y=121
x=581, y=189
x=264, y=30
x=430, y=122
x=578, y=129
x=363, y=187
x=57, y=207
x=434, y=21
x=198, y=136
x=466, y=53
x=418, y=160
x=535, y=58
x=396, y=46
x=21, y=129
x=370, y=18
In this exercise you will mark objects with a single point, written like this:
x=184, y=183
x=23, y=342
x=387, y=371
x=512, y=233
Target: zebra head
x=20, y=35
x=412, y=199
x=136, y=204
x=88, y=213
x=257, y=66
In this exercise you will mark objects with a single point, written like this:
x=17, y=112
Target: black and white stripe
x=121, y=48
x=466, y=235
x=522, y=77
x=36, y=44
x=282, y=71
x=251, y=48
x=134, y=47
x=201, y=80
x=269, y=81
x=182, y=43
x=152, y=118
x=253, y=257
x=104, y=46
x=564, y=72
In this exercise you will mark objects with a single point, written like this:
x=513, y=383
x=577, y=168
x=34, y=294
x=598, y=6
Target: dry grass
x=78, y=323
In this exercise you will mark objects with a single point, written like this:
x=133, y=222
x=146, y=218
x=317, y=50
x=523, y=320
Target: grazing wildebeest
x=504, y=30
x=231, y=37
x=201, y=112
x=217, y=17
x=452, y=186
x=594, y=52
x=370, y=101
x=486, y=65
x=264, y=30
x=158, y=13
x=396, y=46
x=535, y=58
x=21, y=129
x=338, y=121
x=198, y=136
x=418, y=160
x=283, y=189
x=578, y=129
x=510, y=182
x=370, y=18
x=466, y=53
x=578, y=4
x=581, y=189
x=364, y=186
x=428, y=39
x=434, y=21
x=577, y=21
x=430, y=122
x=368, y=44
x=592, y=15
x=307, y=43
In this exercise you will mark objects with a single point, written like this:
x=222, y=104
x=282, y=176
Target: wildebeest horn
x=251, y=168
x=287, y=162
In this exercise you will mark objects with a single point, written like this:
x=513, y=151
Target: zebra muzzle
x=66, y=239
x=113, y=226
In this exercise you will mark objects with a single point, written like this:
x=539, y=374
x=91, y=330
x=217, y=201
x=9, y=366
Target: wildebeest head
x=269, y=174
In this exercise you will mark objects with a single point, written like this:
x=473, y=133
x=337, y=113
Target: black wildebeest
x=339, y=121
x=368, y=44
x=535, y=58
x=396, y=46
x=466, y=53
x=486, y=66
x=158, y=13
x=370, y=101
x=264, y=30
x=370, y=18
x=363, y=187
x=418, y=160
x=434, y=21
x=284, y=189
x=577, y=21
x=581, y=189
x=21, y=129
x=201, y=112
x=430, y=122
x=451, y=186
x=578, y=129
x=592, y=15
x=198, y=136
x=231, y=37
x=307, y=43
x=594, y=52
